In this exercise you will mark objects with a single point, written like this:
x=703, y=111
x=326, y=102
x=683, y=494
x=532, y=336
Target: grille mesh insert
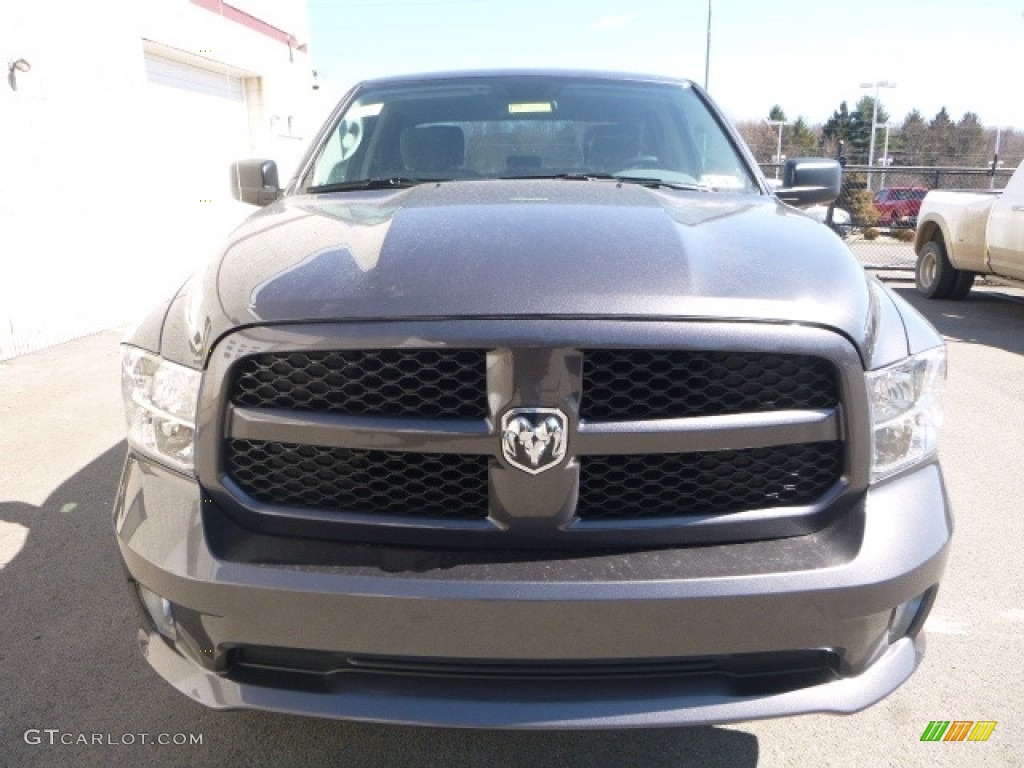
x=716, y=482
x=617, y=384
x=394, y=383
x=638, y=384
x=363, y=482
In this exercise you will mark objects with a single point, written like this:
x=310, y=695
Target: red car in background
x=898, y=206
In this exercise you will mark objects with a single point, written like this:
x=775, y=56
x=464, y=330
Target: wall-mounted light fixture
x=13, y=67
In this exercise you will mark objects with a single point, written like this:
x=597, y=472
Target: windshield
x=528, y=126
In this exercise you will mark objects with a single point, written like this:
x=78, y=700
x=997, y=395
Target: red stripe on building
x=241, y=17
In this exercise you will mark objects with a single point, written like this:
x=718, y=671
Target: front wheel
x=962, y=286
x=936, y=277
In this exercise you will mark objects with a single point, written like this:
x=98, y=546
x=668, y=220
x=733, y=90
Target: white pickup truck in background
x=963, y=234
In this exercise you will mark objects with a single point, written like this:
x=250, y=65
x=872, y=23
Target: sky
x=805, y=56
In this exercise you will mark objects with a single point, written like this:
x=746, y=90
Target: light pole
x=778, y=146
x=886, y=162
x=995, y=158
x=874, y=121
x=707, y=50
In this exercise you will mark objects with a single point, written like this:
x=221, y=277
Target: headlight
x=160, y=400
x=906, y=411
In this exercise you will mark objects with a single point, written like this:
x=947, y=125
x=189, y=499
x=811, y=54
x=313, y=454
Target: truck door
x=1005, y=235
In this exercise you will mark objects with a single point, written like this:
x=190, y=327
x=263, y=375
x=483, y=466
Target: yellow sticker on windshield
x=532, y=106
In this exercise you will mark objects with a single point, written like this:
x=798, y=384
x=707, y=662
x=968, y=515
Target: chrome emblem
x=533, y=439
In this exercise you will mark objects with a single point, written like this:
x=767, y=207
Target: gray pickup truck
x=527, y=404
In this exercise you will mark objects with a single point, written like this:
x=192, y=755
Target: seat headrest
x=608, y=146
x=433, y=148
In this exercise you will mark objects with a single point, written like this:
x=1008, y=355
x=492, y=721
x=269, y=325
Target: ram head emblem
x=534, y=439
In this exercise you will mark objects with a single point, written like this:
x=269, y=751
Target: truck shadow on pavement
x=988, y=316
x=77, y=691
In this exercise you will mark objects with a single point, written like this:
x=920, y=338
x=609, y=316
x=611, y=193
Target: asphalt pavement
x=74, y=690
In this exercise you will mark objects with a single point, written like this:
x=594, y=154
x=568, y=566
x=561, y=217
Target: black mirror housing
x=255, y=181
x=810, y=181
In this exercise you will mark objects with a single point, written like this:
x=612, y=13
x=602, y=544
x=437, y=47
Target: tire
x=962, y=286
x=936, y=278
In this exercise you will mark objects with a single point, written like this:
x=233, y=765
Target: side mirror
x=810, y=181
x=255, y=181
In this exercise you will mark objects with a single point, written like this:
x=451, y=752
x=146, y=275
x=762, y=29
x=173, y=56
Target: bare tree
x=760, y=137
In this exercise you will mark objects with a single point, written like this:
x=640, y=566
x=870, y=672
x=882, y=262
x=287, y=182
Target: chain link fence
x=876, y=212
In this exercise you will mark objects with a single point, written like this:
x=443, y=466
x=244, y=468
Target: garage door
x=196, y=123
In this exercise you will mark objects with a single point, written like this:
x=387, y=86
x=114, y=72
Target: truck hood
x=524, y=248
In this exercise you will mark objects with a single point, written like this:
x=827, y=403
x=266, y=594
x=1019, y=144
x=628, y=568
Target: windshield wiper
x=579, y=176
x=390, y=182
x=642, y=180
x=655, y=183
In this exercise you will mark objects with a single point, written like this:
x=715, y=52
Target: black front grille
x=360, y=482
x=635, y=384
x=714, y=482
x=377, y=485
x=396, y=383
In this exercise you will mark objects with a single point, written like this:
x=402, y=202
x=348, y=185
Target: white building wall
x=115, y=185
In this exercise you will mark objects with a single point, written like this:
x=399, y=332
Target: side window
x=343, y=153
x=719, y=165
x=343, y=145
x=329, y=158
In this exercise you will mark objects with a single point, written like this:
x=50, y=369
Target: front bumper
x=511, y=639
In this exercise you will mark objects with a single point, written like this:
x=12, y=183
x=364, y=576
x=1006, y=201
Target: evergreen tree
x=913, y=143
x=837, y=127
x=853, y=128
x=940, y=139
x=860, y=128
x=969, y=141
x=800, y=140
